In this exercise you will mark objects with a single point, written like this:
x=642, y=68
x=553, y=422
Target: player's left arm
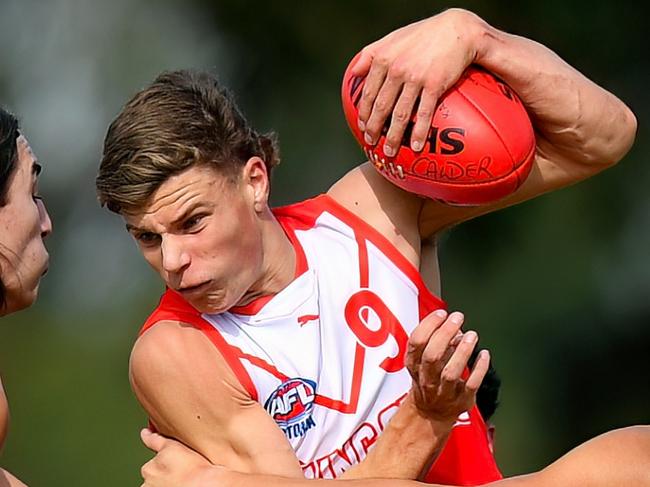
x=581, y=128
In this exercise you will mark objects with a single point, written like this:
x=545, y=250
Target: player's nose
x=175, y=258
x=45, y=221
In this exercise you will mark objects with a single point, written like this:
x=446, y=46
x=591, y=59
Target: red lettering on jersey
x=365, y=306
x=352, y=452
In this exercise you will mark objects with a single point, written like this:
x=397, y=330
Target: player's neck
x=278, y=265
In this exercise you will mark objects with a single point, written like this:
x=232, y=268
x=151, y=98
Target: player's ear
x=256, y=178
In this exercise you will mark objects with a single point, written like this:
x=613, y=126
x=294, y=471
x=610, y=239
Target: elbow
x=615, y=141
x=627, y=134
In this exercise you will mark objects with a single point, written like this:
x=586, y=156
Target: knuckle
x=398, y=71
x=457, y=14
x=413, y=78
x=424, y=112
x=367, y=94
x=447, y=375
x=430, y=88
x=431, y=357
x=381, y=105
x=382, y=60
x=401, y=115
x=412, y=347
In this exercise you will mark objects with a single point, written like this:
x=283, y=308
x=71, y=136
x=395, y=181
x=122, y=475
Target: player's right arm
x=191, y=394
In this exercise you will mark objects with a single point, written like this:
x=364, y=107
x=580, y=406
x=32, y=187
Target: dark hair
x=487, y=396
x=9, y=132
x=183, y=118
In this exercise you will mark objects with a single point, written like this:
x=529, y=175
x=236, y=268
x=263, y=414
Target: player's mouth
x=196, y=289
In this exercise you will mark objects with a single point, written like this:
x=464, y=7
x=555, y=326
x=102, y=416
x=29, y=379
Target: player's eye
x=192, y=222
x=147, y=238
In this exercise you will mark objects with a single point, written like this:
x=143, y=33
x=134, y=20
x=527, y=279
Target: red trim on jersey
x=253, y=307
x=355, y=389
x=301, y=258
x=173, y=307
x=264, y=365
x=364, y=268
x=303, y=215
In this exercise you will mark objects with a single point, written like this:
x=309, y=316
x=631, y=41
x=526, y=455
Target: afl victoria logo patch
x=291, y=406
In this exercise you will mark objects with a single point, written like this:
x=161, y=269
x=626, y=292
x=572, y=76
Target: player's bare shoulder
x=389, y=209
x=173, y=350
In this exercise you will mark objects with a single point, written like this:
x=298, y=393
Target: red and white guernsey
x=325, y=356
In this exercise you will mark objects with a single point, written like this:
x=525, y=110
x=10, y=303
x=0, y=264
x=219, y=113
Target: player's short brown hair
x=183, y=118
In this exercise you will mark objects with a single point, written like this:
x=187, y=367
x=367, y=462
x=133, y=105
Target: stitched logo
x=291, y=406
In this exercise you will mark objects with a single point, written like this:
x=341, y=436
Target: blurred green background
x=558, y=287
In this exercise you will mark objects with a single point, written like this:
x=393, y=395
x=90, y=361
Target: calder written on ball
x=480, y=147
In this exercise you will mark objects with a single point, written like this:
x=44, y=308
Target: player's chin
x=20, y=300
x=212, y=303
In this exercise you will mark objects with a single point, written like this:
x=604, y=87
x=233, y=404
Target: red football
x=480, y=147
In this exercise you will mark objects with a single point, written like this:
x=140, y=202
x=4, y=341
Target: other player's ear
x=256, y=177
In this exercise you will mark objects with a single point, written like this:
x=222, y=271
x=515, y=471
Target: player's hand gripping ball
x=480, y=147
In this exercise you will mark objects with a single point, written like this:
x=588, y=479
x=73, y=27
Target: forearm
x=406, y=446
x=216, y=477
x=573, y=113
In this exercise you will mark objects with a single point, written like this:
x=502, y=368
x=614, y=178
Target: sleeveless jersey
x=325, y=356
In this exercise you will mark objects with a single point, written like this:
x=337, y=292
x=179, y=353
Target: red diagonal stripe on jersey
x=321, y=400
x=351, y=407
x=263, y=364
x=364, y=270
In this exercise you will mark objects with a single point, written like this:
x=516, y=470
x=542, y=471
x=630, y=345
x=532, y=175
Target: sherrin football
x=480, y=147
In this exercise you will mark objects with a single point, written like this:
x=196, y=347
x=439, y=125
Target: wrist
x=483, y=38
x=439, y=421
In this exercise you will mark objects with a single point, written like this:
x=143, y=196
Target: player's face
x=201, y=233
x=24, y=223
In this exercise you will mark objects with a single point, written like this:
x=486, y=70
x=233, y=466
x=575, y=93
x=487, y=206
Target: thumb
x=151, y=440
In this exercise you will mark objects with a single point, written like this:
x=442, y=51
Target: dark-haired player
x=24, y=224
x=279, y=347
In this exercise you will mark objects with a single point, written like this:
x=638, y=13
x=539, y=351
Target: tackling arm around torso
x=620, y=458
